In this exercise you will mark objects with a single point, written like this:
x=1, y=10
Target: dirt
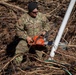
x=65, y=59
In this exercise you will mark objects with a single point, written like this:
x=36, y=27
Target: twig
x=14, y=6
x=22, y=70
x=58, y=17
x=71, y=45
x=48, y=14
x=65, y=32
x=10, y=61
x=53, y=63
x=66, y=55
x=2, y=51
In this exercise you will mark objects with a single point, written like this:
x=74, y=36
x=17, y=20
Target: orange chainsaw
x=40, y=40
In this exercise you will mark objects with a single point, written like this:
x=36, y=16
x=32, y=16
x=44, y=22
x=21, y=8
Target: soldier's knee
x=18, y=60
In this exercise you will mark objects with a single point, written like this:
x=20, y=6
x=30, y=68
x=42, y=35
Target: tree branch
x=14, y=6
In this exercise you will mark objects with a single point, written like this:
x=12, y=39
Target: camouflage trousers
x=22, y=48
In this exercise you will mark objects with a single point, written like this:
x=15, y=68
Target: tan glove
x=43, y=33
x=29, y=40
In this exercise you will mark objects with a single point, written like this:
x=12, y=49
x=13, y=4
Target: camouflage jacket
x=28, y=26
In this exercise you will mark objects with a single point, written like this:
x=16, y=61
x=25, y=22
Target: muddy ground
x=65, y=58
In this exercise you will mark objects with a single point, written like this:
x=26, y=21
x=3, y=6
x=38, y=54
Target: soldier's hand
x=29, y=39
x=43, y=33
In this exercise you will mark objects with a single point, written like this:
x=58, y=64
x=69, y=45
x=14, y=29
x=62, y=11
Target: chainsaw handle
x=31, y=43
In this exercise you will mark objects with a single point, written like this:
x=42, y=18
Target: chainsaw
x=41, y=41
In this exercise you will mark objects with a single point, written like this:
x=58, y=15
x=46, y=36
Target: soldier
x=30, y=24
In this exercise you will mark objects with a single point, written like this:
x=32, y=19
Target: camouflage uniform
x=28, y=26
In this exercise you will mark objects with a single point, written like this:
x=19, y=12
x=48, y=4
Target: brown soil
x=55, y=11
